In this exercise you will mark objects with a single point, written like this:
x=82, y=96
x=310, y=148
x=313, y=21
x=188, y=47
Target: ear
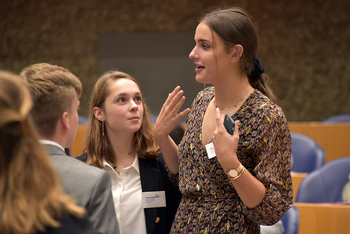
x=236, y=53
x=65, y=121
x=98, y=113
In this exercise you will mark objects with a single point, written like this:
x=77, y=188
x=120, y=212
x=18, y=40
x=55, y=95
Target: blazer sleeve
x=101, y=210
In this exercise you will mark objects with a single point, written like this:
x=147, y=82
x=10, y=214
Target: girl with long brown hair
x=120, y=140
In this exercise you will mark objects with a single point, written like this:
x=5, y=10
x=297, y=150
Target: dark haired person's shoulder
x=205, y=93
x=263, y=106
x=262, y=103
x=71, y=224
x=82, y=157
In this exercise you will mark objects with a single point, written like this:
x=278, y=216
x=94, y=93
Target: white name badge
x=153, y=199
x=210, y=150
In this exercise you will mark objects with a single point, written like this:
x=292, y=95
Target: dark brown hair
x=234, y=27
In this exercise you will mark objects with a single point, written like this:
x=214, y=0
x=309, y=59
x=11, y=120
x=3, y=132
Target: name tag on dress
x=210, y=150
x=153, y=199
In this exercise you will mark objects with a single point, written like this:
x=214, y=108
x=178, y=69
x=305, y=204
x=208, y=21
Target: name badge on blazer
x=153, y=199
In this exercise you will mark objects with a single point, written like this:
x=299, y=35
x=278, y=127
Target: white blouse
x=127, y=196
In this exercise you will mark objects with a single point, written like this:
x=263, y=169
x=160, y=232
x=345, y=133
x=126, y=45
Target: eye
x=138, y=99
x=205, y=46
x=121, y=99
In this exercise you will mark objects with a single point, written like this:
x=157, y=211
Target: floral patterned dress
x=210, y=203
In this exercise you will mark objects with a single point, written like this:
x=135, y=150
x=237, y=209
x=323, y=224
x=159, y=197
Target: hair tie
x=257, y=69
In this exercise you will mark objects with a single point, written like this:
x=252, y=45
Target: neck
x=229, y=92
x=124, y=153
x=122, y=146
x=58, y=139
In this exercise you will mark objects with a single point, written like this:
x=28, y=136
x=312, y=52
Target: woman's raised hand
x=169, y=116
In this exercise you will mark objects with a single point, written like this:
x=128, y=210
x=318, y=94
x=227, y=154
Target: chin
x=199, y=79
x=136, y=129
x=202, y=79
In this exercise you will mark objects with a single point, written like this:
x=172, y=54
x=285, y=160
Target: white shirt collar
x=48, y=142
x=135, y=164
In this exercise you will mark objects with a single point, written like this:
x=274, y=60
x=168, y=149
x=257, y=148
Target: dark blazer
x=154, y=177
x=71, y=225
x=90, y=186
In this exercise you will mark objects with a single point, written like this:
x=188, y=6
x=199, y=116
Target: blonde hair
x=97, y=145
x=31, y=197
x=53, y=89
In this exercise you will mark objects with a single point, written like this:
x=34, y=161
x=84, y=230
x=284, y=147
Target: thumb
x=219, y=118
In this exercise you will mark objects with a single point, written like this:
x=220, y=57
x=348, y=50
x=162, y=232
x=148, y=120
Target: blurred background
x=304, y=46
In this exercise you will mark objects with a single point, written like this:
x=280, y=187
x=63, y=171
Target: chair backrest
x=340, y=118
x=307, y=155
x=77, y=147
x=83, y=119
x=290, y=221
x=325, y=184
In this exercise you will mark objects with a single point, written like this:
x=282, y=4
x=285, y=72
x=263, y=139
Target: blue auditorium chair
x=290, y=221
x=325, y=184
x=82, y=119
x=340, y=118
x=307, y=155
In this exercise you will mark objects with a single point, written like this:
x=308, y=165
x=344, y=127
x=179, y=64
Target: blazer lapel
x=150, y=181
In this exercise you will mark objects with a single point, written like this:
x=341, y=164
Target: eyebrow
x=203, y=40
x=126, y=94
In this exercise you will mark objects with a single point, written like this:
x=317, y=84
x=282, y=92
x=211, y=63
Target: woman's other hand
x=225, y=145
x=169, y=116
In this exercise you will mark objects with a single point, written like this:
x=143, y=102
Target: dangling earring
x=103, y=128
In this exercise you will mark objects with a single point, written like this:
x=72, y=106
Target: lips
x=199, y=68
x=134, y=118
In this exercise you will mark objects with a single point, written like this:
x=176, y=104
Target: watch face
x=233, y=173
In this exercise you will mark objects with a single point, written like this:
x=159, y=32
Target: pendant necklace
x=235, y=105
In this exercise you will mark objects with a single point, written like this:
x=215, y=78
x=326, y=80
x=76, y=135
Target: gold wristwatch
x=234, y=173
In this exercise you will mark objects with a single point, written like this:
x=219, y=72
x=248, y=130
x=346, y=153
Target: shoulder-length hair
x=97, y=145
x=31, y=198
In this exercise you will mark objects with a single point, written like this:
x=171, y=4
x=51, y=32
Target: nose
x=134, y=106
x=193, y=54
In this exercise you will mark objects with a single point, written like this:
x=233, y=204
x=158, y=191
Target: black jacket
x=154, y=177
x=71, y=225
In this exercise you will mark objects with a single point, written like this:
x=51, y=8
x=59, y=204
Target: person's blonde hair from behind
x=31, y=198
x=97, y=145
x=53, y=89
